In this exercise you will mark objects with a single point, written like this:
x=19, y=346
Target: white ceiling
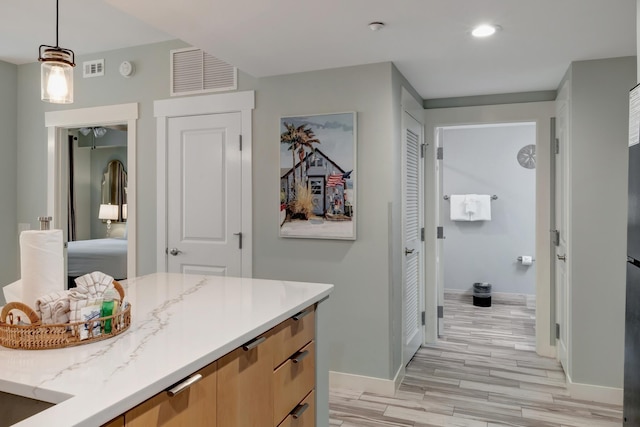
x=428, y=40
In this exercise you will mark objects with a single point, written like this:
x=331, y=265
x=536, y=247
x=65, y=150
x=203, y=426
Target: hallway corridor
x=484, y=372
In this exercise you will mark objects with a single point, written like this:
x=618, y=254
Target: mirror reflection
x=97, y=200
x=114, y=189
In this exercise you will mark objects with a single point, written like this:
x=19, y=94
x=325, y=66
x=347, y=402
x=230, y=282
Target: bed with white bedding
x=106, y=255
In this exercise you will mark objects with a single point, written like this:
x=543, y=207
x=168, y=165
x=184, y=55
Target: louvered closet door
x=412, y=225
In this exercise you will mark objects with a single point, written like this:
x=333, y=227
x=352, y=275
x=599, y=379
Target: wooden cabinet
x=192, y=405
x=269, y=381
x=293, y=334
x=116, y=422
x=293, y=380
x=303, y=415
x=294, y=366
x=245, y=392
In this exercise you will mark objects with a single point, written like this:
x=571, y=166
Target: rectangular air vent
x=195, y=71
x=93, y=68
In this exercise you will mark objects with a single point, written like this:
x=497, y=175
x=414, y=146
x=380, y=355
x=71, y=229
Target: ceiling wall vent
x=195, y=71
x=93, y=68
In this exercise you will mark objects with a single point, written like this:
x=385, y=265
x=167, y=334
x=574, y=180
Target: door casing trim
x=242, y=102
x=57, y=122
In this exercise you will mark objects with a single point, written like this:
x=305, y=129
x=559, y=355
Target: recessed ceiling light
x=375, y=26
x=485, y=30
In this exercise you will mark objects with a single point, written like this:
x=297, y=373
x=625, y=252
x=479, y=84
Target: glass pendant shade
x=56, y=74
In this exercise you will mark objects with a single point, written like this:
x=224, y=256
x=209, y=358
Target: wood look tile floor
x=483, y=372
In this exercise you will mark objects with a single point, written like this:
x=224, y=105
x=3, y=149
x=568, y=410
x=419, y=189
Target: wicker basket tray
x=39, y=337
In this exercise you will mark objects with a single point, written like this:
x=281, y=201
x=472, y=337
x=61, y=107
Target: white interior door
x=413, y=222
x=561, y=222
x=204, y=203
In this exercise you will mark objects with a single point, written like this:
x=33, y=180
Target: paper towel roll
x=41, y=264
x=527, y=260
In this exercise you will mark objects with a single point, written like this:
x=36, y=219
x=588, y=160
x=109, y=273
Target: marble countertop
x=180, y=323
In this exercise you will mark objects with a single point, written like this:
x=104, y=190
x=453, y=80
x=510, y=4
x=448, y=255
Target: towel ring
x=494, y=197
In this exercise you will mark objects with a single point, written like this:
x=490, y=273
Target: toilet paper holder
x=520, y=259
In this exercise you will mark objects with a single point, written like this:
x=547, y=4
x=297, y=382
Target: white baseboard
x=594, y=393
x=363, y=383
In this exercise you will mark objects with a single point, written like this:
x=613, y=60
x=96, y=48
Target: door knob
x=175, y=251
x=408, y=251
x=562, y=257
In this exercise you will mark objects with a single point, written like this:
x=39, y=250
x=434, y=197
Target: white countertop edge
x=95, y=410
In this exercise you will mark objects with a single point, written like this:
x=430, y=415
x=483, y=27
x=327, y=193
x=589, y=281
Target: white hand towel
x=53, y=307
x=483, y=207
x=470, y=204
x=89, y=291
x=457, y=208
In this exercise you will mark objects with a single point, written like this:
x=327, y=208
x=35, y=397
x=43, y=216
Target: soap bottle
x=107, y=309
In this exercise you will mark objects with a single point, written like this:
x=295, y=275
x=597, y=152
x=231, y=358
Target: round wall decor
x=527, y=156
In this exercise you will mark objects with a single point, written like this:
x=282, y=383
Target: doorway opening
x=63, y=125
x=487, y=205
x=98, y=207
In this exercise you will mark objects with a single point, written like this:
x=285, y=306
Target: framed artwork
x=318, y=176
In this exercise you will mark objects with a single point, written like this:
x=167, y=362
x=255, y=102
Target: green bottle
x=107, y=309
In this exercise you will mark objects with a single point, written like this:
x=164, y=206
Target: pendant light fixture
x=56, y=72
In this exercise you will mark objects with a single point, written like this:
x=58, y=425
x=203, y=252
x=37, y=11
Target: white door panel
x=204, y=194
x=413, y=259
x=561, y=258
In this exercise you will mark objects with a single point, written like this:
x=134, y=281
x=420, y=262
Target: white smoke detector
x=376, y=26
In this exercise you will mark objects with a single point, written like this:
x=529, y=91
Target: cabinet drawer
x=293, y=334
x=292, y=381
x=303, y=415
x=185, y=404
x=245, y=385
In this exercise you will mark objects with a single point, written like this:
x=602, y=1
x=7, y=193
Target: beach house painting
x=317, y=176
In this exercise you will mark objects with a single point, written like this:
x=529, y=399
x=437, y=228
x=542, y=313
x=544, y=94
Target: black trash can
x=482, y=294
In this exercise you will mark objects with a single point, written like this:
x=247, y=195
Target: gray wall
x=361, y=305
x=598, y=173
x=8, y=171
x=482, y=160
x=150, y=82
x=359, y=308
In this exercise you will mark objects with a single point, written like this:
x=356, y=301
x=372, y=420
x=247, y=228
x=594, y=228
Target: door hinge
x=239, y=234
x=422, y=234
x=557, y=145
x=555, y=237
x=240, y=141
x=439, y=153
x=557, y=331
x=424, y=318
x=423, y=149
x=440, y=232
x=441, y=312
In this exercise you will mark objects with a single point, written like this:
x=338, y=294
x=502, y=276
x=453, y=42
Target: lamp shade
x=109, y=212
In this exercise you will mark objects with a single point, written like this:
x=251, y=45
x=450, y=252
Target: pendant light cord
x=57, y=6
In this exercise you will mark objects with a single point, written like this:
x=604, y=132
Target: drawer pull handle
x=299, y=356
x=177, y=389
x=300, y=315
x=299, y=410
x=253, y=344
